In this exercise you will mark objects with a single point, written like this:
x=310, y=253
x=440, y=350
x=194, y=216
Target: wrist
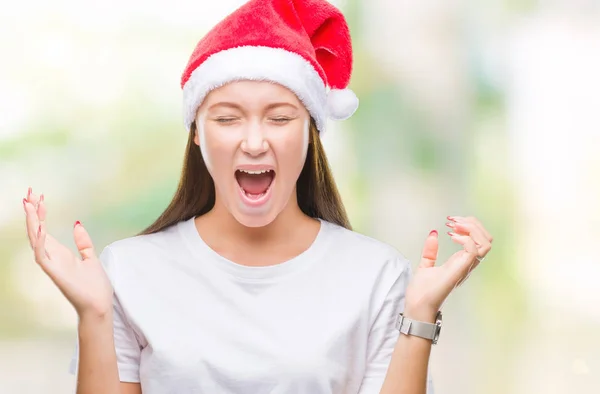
x=420, y=313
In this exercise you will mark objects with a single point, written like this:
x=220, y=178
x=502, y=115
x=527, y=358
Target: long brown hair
x=317, y=193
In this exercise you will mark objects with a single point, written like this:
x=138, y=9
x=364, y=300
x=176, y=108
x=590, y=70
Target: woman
x=252, y=281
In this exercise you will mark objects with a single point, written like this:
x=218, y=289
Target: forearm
x=407, y=372
x=97, y=373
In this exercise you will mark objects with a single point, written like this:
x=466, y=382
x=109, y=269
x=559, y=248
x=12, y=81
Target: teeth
x=255, y=196
x=255, y=172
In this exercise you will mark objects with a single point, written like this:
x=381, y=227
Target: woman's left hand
x=431, y=284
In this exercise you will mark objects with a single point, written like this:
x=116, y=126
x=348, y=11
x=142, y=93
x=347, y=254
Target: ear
x=194, y=130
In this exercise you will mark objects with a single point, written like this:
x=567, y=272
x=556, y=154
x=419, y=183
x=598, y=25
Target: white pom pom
x=341, y=103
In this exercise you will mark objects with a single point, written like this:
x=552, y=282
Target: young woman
x=252, y=280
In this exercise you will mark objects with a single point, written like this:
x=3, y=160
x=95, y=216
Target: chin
x=260, y=207
x=253, y=208
x=256, y=216
x=255, y=221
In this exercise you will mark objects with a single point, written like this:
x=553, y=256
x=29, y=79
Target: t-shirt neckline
x=251, y=273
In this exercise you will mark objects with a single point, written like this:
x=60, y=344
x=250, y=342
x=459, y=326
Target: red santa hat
x=303, y=45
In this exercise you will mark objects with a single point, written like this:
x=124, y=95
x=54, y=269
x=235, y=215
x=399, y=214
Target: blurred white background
x=486, y=108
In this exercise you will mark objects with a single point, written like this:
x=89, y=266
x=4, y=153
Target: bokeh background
x=488, y=108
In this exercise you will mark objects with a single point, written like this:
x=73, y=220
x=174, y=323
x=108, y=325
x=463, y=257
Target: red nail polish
x=24, y=202
x=41, y=198
x=433, y=232
x=28, y=193
x=451, y=225
x=77, y=223
x=450, y=233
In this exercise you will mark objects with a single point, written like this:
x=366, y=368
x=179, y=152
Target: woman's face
x=254, y=138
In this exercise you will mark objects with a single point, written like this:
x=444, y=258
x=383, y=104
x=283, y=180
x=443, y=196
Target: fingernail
x=39, y=230
x=433, y=232
x=24, y=203
x=28, y=193
x=41, y=198
x=450, y=233
x=77, y=223
x=451, y=225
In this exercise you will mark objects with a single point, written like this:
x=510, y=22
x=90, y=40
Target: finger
x=50, y=242
x=475, y=221
x=472, y=230
x=41, y=209
x=32, y=198
x=469, y=228
x=472, y=266
x=466, y=241
x=83, y=241
x=52, y=245
x=462, y=261
x=430, y=250
x=39, y=248
x=32, y=222
x=481, y=227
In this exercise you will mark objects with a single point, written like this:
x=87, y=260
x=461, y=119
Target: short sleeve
x=127, y=346
x=384, y=335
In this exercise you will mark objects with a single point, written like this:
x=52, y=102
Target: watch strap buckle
x=425, y=330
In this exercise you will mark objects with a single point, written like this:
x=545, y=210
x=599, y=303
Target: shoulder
x=364, y=254
x=127, y=253
x=148, y=243
x=353, y=243
x=370, y=272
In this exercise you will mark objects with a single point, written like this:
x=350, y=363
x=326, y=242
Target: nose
x=255, y=143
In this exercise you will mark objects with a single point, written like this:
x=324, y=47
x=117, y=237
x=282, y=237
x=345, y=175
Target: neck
x=219, y=221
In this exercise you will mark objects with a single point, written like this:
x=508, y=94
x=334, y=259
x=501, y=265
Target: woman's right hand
x=82, y=278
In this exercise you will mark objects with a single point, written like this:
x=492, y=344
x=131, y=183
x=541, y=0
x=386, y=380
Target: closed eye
x=225, y=120
x=281, y=120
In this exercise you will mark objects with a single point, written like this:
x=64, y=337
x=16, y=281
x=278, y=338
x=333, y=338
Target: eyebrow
x=224, y=104
x=282, y=104
x=237, y=106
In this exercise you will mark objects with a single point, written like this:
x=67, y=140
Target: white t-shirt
x=187, y=320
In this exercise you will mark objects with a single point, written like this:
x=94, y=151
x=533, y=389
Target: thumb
x=430, y=250
x=83, y=242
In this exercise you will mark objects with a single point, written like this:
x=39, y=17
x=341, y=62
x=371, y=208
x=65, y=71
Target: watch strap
x=421, y=329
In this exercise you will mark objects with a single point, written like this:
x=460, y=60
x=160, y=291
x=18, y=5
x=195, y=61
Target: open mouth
x=255, y=184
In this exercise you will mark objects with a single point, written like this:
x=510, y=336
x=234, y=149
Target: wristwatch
x=420, y=329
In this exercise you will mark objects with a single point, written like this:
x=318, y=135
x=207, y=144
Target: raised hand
x=432, y=284
x=82, y=278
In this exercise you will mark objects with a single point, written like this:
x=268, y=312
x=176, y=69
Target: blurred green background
x=485, y=108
